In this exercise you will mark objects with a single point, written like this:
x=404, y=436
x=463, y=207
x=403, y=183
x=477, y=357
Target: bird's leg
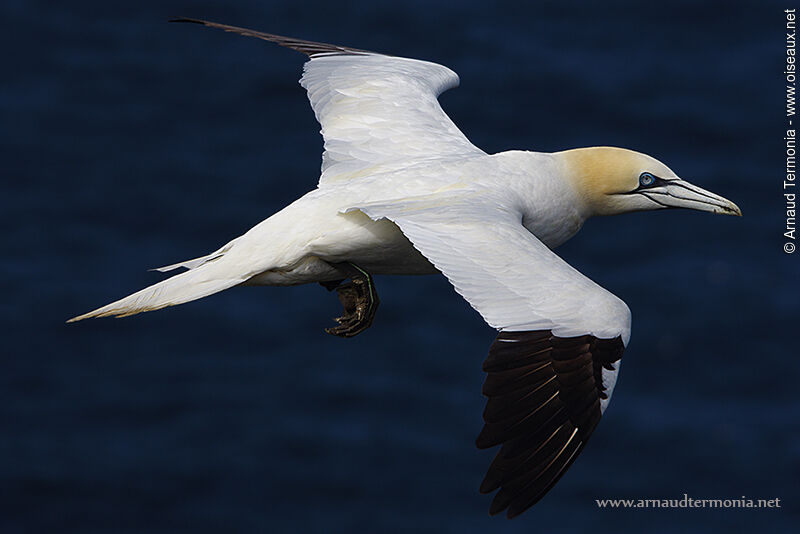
x=358, y=297
x=332, y=284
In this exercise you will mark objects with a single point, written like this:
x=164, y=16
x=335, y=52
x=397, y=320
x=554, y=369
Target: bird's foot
x=359, y=300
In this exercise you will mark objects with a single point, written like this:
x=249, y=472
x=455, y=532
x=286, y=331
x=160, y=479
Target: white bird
x=403, y=191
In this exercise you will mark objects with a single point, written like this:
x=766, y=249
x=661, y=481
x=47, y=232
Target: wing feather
x=550, y=417
x=510, y=277
x=377, y=112
x=380, y=113
x=309, y=48
x=552, y=368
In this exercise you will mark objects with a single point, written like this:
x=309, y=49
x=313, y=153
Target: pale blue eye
x=646, y=179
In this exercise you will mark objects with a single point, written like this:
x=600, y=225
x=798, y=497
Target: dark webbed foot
x=359, y=300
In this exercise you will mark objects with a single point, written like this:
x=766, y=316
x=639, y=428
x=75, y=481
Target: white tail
x=197, y=283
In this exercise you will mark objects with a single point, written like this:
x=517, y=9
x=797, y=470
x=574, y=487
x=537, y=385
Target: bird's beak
x=680, y=194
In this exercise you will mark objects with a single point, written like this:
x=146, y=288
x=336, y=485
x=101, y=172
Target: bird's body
x=402, y=191
x=295, y=251
x=286, y=248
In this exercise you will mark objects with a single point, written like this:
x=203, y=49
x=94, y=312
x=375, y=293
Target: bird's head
x=615, y=180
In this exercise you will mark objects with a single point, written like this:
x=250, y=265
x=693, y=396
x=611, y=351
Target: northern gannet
x=403, y=191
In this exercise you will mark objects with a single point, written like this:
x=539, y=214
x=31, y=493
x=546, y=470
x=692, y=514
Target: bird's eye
x=646, y=179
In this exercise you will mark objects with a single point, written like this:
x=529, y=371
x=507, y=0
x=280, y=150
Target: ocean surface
x=128, y=143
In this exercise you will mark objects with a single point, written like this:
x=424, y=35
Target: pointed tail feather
x=189, y=264
x=190, y=285
x=197, y=262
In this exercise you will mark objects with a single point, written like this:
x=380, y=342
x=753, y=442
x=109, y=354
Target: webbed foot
x=359, y=300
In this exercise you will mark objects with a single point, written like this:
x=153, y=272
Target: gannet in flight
x=403, y=191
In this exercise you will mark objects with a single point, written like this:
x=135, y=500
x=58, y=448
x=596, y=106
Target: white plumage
x=513, y=280
x=403, y=191
x=380, y=112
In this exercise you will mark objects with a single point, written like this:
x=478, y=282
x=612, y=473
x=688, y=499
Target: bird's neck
x=551, y=208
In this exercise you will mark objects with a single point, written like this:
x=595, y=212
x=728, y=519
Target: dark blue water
x=128, y=143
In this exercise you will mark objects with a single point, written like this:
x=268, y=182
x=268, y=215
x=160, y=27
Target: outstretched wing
x=552, y=368
x=546, y=395
x=377, y=112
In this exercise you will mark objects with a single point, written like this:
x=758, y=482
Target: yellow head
x=615, y=180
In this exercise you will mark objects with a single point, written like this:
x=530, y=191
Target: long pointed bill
x=681, y=194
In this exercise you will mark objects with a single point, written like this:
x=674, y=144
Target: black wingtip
x=309, y=48
x=187, y=19
x=511, y=514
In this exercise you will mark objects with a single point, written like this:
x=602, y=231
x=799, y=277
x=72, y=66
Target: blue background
x=128, y=143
